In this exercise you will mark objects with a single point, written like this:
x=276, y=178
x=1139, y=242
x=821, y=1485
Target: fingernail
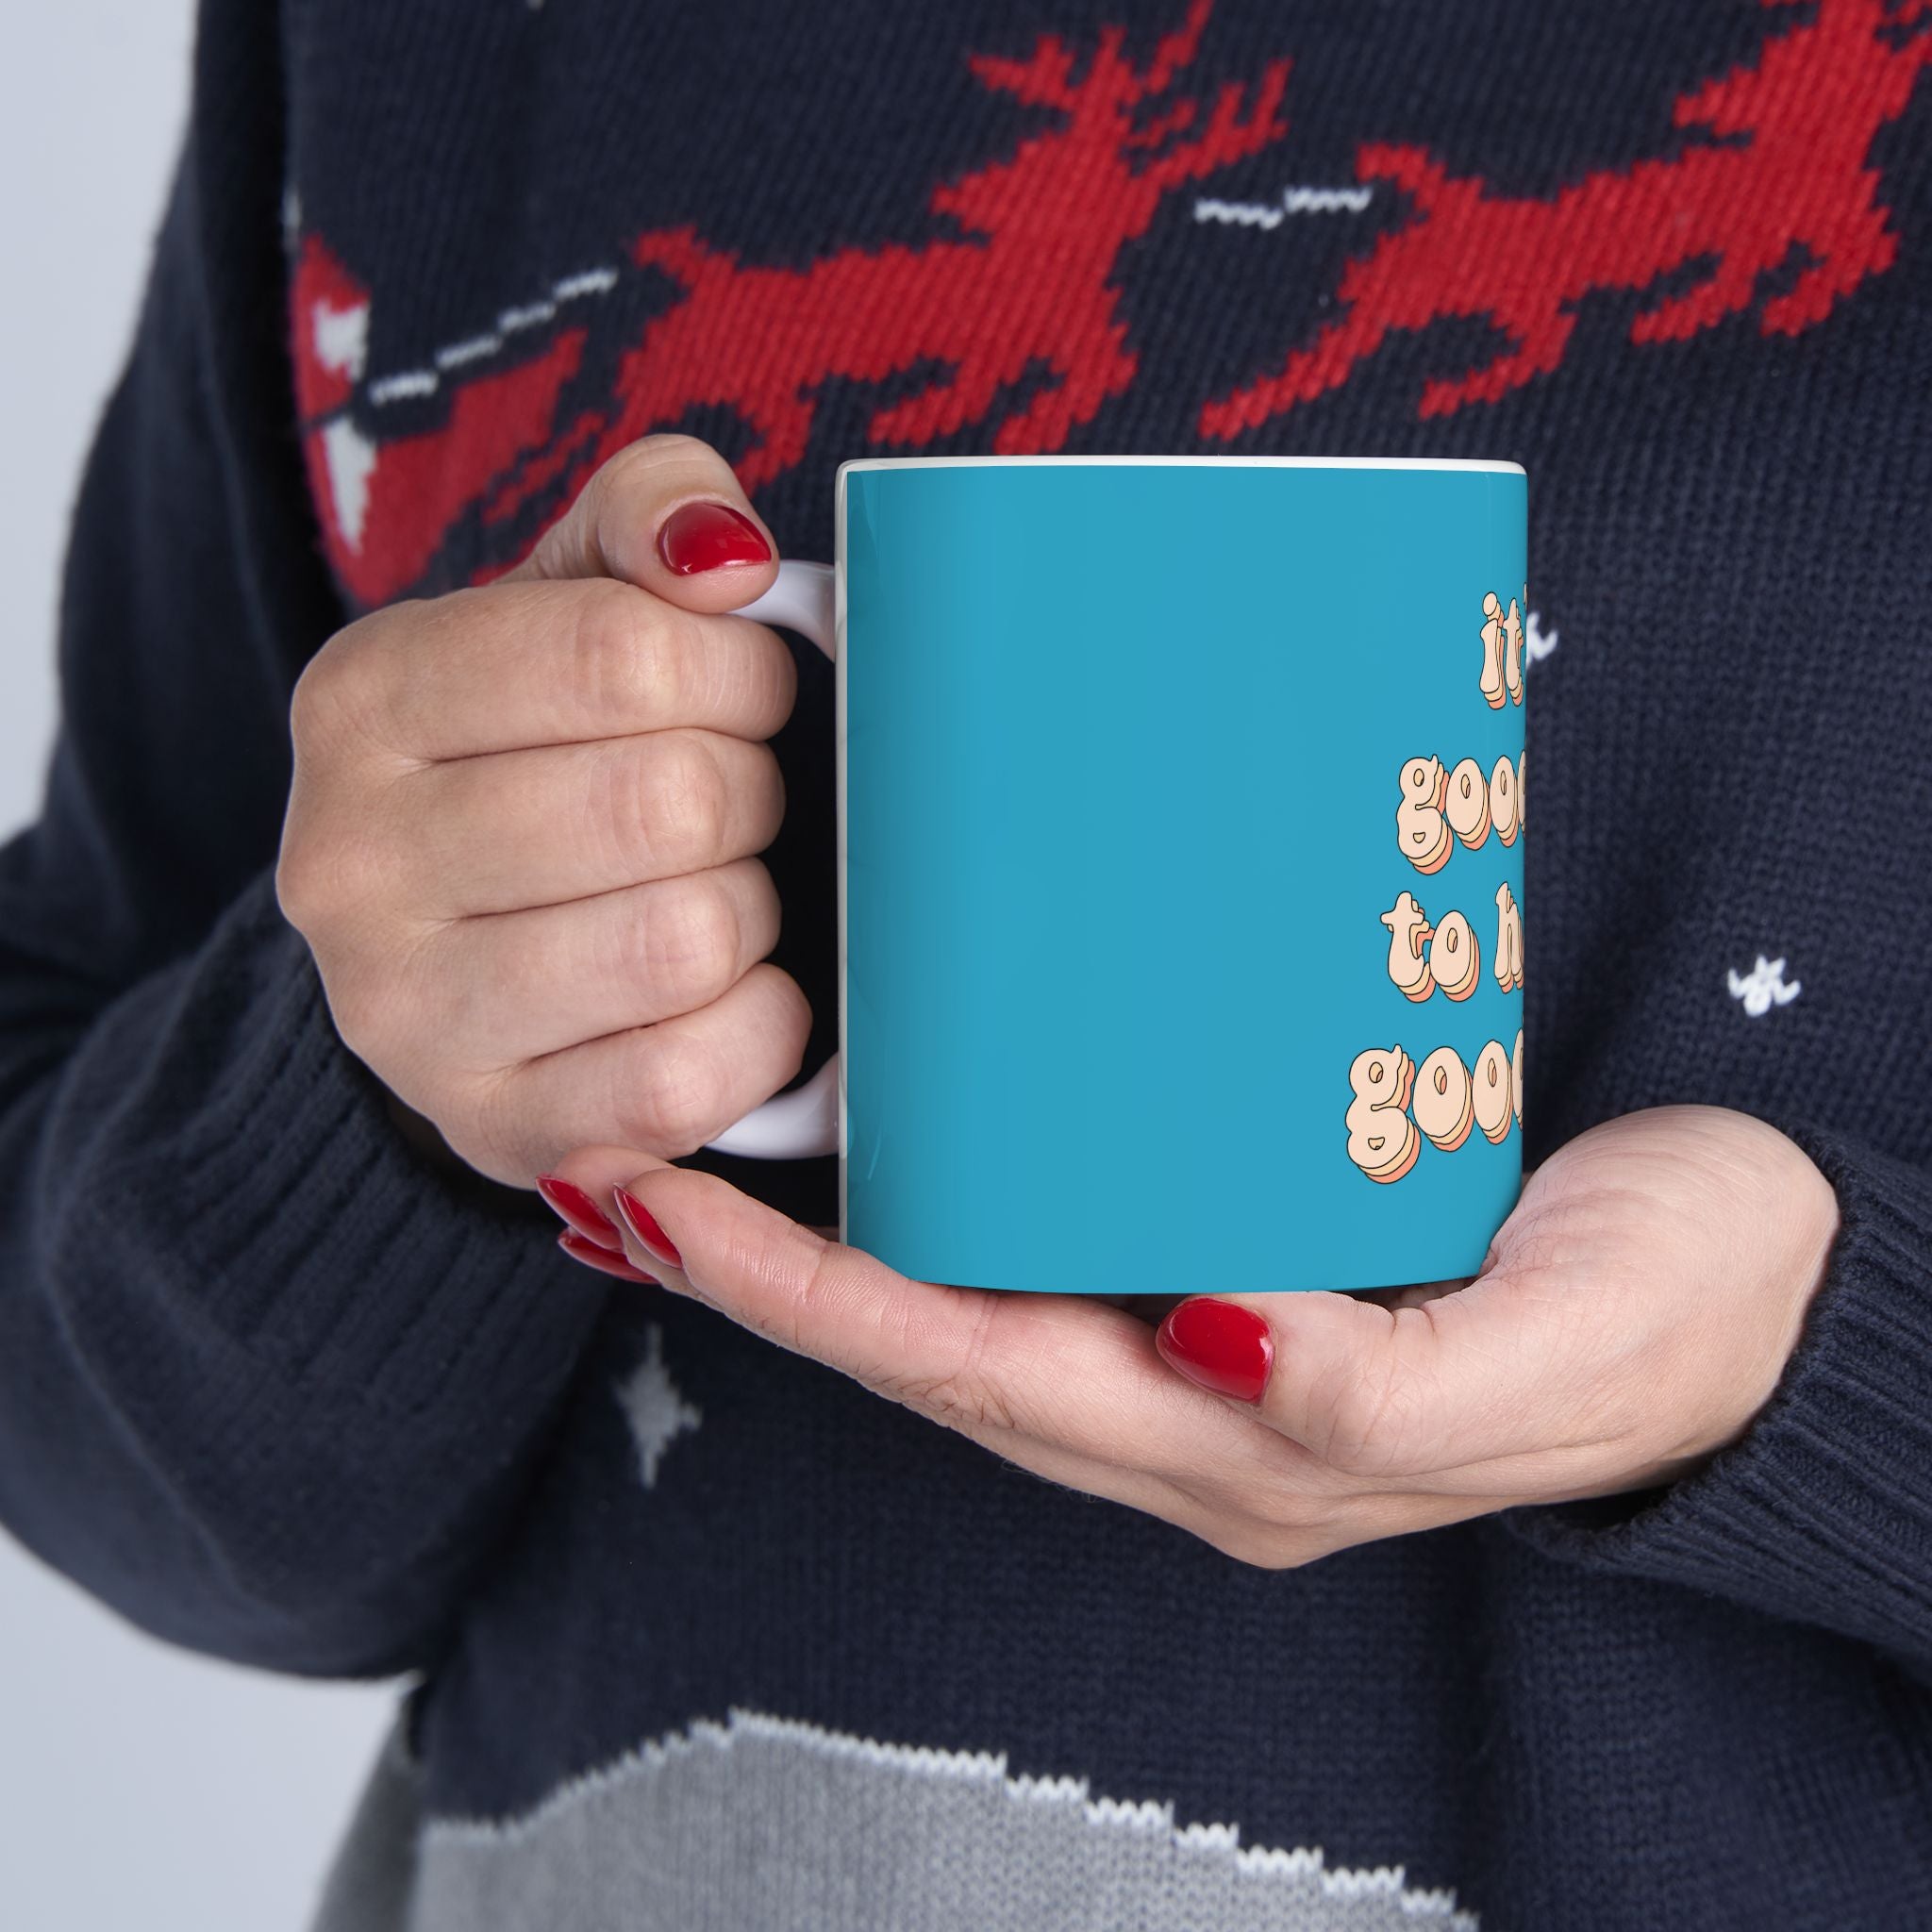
x=644, y=1224
x=581, y=1249
x=697, y=537
x=1223, y=1347
x=576, y=1207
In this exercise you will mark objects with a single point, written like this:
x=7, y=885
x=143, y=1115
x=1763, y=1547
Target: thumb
x=1379, y=1391
x=667, y=515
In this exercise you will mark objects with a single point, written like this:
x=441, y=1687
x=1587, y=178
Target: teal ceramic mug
x=1180, y=808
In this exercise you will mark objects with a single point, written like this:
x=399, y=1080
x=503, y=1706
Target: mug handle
x=804, y=1122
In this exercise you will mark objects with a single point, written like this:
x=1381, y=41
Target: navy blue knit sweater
x=274, y=1387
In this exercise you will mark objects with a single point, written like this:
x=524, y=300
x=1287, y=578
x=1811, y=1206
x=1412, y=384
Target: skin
x=521, y=839
x=522, y=844
x=1633, y=1315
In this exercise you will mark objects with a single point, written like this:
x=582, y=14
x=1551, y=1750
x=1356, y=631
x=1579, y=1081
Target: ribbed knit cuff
x=1821, y=1513
x=294, y=1373
x=282, y=1208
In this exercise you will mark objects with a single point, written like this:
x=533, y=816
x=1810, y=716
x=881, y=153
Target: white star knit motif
x=655, y=1410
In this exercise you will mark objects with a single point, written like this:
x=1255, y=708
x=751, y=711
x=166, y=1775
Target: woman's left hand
x=1632, y=1316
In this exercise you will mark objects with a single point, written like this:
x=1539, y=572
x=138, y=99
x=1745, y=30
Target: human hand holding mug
x=521, y=837
x=1632, y=1316
x=1626, y=1321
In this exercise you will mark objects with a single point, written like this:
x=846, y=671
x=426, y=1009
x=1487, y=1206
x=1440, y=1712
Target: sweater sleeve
x=1821, y=1512
x=270, y=1385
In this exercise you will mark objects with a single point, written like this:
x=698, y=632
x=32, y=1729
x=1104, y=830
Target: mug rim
x=1477, y=465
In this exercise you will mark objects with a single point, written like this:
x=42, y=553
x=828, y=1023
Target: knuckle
x=633, y=473
x=1368, y=1423
x=766, y=679
x=327, y=879
x=633, y=658
x=488, y=1125
x=757, y=916
x=680, y=1099
x=299, y=887
x=311, y=704
x=366, y=1017
x=796, y=1319
x=340, y=694
x=606, y=665
x=767, y=786
x=790, y=1016
x=691, y=941
x=683, y=812
x=322, y=696
x=378, y=1004
x=960, y=1393
x=399, y=1002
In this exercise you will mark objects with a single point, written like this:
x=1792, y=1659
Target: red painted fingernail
x=698, y=536
x=580, y=1211
x=1220, y=1346
x=643, y=1223
x=581, y=1249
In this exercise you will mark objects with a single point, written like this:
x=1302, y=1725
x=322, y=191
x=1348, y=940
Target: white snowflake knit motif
x=1764, y=987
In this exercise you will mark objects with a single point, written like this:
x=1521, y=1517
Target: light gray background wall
x=139, y=1786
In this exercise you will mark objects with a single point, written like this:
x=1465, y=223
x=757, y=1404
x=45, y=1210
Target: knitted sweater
x=703, y=1635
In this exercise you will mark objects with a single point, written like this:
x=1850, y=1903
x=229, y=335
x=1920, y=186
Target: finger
x=1226, y=1490
x=581, y=1189
x=1057, y=1385
x=1391, y=1394
x=1060, y=1372
x=597, y=1257
x=665, y=1089
x=519, y=986
x=594, y=1174
x=520, y=829
x=579, y=1212
x=522, y=664
x=617, y=527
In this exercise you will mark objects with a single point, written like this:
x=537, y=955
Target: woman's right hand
x=521, y=837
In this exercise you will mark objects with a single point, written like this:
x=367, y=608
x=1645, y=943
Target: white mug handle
x=805, y=1120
